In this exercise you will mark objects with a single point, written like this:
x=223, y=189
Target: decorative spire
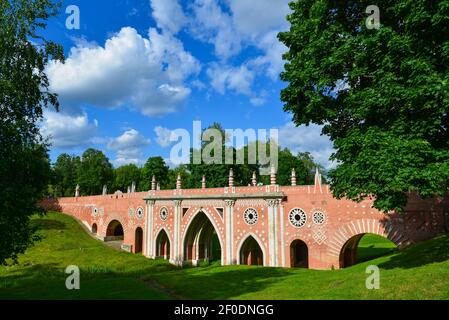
x=133, y=187
x=293, y=177
x=178, y=182
x=129, y=190
x=231, y=178
x=158, y=187
x=318, y=180
x=203, y=182
x=273, y=175
x=105, y=190
x=153, y=183
x=77, y=191
x=254, y=179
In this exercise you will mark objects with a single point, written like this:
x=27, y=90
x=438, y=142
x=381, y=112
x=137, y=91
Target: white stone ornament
x=163, y=214
x=251, y=216
x=318, y=218
x=297, y=217
x=139, y=213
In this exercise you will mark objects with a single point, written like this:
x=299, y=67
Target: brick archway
x=115, y=231
x=299, y=254
x=197, y=239
x=247, y=251
x=344, y=244
x=138, y=238
x=162, y=245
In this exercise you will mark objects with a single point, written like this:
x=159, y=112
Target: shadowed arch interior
x=201, y=241
x=251, y=253
x=162, y=245
x=138, y=240
x=299, y=254
x=114, y=231
x=94, y=228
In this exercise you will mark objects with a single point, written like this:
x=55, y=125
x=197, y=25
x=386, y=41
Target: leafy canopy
x=381, y=94
x=24, y=93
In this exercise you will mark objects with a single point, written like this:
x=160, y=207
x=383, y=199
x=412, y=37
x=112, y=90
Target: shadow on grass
x=421, y=254
x=217, y=282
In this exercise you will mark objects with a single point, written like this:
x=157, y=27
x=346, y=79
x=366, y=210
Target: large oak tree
x=24, y=93
x=381, y=94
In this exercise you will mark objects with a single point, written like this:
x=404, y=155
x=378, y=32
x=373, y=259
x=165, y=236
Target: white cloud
x=211, y=24
x=168, y=15
x=231, y=25
x=307, y=138
x=163, y=136
x=237, y=79
x=146, y=74
x=68, y=131
x=128, y=147
x=253, y=17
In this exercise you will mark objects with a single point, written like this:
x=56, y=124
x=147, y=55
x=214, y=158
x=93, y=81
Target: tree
x=94, y=171
x=381, y=94
x=186, y=177
x=124, y=176
x=65, y=175
x=155, y=166
x=24, y=93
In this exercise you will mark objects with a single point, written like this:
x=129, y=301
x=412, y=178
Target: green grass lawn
x=418, y=272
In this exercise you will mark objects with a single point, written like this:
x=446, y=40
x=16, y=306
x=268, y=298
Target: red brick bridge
x=270, y=225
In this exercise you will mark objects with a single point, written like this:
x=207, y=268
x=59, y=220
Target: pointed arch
x=196, y=245
x=163, y=244
x=257, y=240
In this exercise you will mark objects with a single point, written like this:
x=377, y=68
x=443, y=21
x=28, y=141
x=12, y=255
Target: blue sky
x=135, y=70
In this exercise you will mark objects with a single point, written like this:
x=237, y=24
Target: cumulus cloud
x=147, y=74
x=209, y=23
x=232, y=25
x=255, y=17
x=128, y=147
x=237, y=79
x=168, y=15
x=307, y=138
x=68, y=131
x=163, y=136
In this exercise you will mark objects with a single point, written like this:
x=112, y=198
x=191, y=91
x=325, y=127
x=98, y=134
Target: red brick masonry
x=273, y=225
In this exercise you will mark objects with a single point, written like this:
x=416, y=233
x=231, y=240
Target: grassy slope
x=419, y=272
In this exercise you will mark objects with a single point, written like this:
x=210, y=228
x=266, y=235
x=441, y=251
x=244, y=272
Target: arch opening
x=365, y=247
x=94, y=228
x=201, y=242
x=162, y=245
x=114, y=232
x=299, y=254
x=251, y=253
x=138, y=240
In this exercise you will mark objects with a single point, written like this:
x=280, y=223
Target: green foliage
x=124, y=176
x=65, y=177
x=417, y=272
x=155, y=166
x=94, y=171
x=24, y=93
x=381, y=94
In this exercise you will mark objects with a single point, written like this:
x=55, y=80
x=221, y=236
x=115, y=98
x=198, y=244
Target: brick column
x=272, y=232
x=177, y=255
x=150, y=241
x=229, y=241
x=282, y=235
